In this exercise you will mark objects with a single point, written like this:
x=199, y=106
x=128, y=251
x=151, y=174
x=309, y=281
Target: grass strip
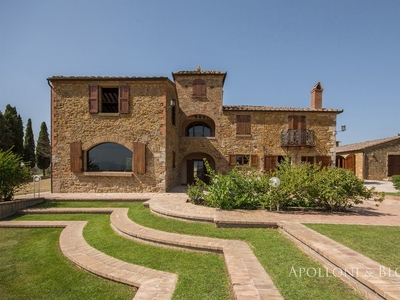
x=32, y=266
x=380, y=243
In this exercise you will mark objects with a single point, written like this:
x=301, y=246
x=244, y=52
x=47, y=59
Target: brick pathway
x=334, y=256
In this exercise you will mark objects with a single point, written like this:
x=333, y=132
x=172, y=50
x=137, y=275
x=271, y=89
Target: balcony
x=298, y=138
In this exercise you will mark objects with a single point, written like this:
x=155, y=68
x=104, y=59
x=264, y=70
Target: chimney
x=316, y=96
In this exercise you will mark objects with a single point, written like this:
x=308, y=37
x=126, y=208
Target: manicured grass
x=380, y=243
x=278, y=255
x=33, y=267
x=201, y=276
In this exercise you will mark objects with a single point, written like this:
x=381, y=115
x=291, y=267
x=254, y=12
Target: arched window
x=109, y=157
x=199, y=130
x=199, y=88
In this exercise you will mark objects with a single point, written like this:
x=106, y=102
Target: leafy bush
x=305, y=185
x=396, y=181
x=12, y=175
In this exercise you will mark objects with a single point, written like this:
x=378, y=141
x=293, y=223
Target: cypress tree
x=29, y=145
x=43, y=149
x=17, y=129
x=6, y=140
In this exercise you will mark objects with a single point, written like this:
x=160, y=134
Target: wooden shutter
x=301, y=122
x=232, y=159
x=76, y=156
x=139, y=158
x=270, y=162
x=393, y=165
x=199, y=88
x=325, y=161
x=349, y=163
x=93, y=98
x=123, y=99
x=254, y=160
x=243, y=124
x=297, y=122
x=292, y=122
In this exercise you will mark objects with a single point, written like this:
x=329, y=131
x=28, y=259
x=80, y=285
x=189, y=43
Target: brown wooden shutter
x=301, y=122
x=270, y=162
x=139, y=158
x=292, y=122
x=349, y=163
x=325, y=161
x=254, y=160
x=199, y=87
x=93, y=98
x=243, y=124
x=232, y=159
x=76, y=156
x=123, y=99
x=393, y=165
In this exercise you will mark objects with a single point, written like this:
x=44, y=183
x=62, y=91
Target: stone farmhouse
x=136, y=134
x=371, y=160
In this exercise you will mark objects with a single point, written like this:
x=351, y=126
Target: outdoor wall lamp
x=173, y=102
x=342, y=128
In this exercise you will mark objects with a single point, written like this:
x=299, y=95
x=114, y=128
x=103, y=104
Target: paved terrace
x=248, y=280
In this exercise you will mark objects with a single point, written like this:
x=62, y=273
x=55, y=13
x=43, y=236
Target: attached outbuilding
x=371, y=160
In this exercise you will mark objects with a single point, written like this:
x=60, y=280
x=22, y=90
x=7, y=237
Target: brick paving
x=244, y=268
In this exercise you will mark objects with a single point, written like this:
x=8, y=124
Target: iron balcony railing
x=298, y=138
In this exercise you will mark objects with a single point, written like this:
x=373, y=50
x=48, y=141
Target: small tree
x=29, y=145
x=13, y=174
x=43, y=149
x=17, y=129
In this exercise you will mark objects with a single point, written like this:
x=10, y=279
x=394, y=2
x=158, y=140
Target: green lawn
x=380, y=243
x=201, y=276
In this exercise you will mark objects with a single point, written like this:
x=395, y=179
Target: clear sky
x=274, y=52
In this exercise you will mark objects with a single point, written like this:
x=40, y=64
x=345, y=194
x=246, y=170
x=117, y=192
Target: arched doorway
x=193, y=166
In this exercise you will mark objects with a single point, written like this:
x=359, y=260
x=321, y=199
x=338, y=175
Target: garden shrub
x=396, y=181
x=305, y=185
x=13, y=176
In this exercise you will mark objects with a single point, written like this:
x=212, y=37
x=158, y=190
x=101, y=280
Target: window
x=297, y=133
x=199, y=88
x=243, y=159
x=199, y=130
x=109, y=99
x=243, y=124
x=271, y=162
x=109, y=157
x=307, y=159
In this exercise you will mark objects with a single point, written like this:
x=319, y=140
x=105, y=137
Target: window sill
x=244, y=136
x=108, y=174
x=199, y=137
x=108, y=114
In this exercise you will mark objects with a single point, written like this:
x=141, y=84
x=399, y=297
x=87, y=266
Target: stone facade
x=373, y=160
x=178, y=124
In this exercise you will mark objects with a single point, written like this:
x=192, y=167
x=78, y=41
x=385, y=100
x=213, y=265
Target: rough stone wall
x=71, y=121
x=376, y=160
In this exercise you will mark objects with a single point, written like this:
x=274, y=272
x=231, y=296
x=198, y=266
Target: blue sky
x=273, y=51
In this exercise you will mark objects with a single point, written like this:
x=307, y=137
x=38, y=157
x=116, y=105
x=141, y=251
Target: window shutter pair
x=139, y=157
x=253, y=160
x=243, y=124
x=199, y=88
x=94, y=98
x=297, y=122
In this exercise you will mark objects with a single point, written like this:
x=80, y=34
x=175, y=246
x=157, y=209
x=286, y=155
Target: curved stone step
x=248, y=278
x=152, y=284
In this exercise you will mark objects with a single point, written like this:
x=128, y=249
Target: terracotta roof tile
x=102, y=78
x=364, y=145
x=270, y=108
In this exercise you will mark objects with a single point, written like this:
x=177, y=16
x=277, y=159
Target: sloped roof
x=104, y=78
x=271, y=108
x=364, y=145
